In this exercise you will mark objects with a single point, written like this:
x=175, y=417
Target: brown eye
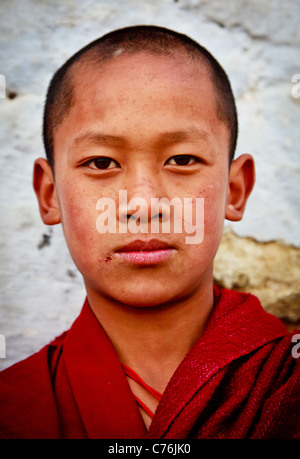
x=181, y=160
x=103, y=162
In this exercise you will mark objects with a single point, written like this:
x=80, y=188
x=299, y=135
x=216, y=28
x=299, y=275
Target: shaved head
x=129, y=41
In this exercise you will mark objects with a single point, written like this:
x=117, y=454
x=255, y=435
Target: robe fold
x=239, y=380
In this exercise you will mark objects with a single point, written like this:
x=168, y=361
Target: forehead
x=139, y=97
x=140, y=68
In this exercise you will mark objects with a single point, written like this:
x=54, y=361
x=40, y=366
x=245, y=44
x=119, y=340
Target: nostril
x=157, y=216
x=132, y=216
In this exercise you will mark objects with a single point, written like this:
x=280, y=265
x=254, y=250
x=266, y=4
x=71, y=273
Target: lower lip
x=149, y=257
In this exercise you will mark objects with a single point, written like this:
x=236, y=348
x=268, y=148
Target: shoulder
x=26, y=392
x=258, y=342
x=278, y=378
x=38, y=364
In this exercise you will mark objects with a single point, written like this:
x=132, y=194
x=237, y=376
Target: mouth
x=145, y=252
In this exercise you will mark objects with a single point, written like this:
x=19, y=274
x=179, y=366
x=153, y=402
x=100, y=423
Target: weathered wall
x=257, y=42
x=270, y=270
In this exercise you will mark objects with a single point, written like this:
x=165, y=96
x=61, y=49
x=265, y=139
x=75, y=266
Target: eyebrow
x=99, y=139
x=193, y=133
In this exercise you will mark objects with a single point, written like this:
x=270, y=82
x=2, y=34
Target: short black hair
x=131, y=40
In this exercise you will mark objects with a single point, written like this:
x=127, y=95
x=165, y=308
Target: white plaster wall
x=256, y=41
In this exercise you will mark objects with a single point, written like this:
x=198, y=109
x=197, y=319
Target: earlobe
x=44, y=187
x=241, y=182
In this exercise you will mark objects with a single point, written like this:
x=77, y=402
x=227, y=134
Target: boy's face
x=141, y=112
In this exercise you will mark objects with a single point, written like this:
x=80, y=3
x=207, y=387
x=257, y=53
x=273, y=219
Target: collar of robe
x=237, y=326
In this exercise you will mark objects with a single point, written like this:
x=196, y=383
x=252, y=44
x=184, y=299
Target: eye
x=182, y=160
x=102, y=163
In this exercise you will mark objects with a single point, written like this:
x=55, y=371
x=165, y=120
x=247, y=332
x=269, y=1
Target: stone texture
x=259, y=18
x=269, y=270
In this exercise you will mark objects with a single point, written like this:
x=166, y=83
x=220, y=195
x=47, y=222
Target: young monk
x=158, y=351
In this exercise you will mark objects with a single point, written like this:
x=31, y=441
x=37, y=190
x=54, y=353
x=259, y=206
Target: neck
x=154, y=340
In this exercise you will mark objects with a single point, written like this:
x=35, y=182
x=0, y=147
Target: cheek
x=214, y=206
x=214, y=214
x=214, y=195
x=79, y=222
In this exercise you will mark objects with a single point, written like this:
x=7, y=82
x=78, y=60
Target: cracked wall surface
x=269, y=270
x=256, y=41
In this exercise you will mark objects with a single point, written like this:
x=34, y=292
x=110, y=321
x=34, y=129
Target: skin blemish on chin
x=105, y=259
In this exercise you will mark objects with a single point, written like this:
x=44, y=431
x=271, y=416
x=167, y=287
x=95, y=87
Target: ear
x=241, y=182
x=44, y=187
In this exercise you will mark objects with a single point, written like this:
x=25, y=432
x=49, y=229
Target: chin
x=147, y=298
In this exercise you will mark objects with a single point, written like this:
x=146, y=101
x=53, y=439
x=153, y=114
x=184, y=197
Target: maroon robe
x=239, y=380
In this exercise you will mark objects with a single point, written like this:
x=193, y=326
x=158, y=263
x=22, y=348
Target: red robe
x=238, y=381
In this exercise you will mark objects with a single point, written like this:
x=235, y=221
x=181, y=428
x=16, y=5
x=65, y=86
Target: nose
x=139, y=201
